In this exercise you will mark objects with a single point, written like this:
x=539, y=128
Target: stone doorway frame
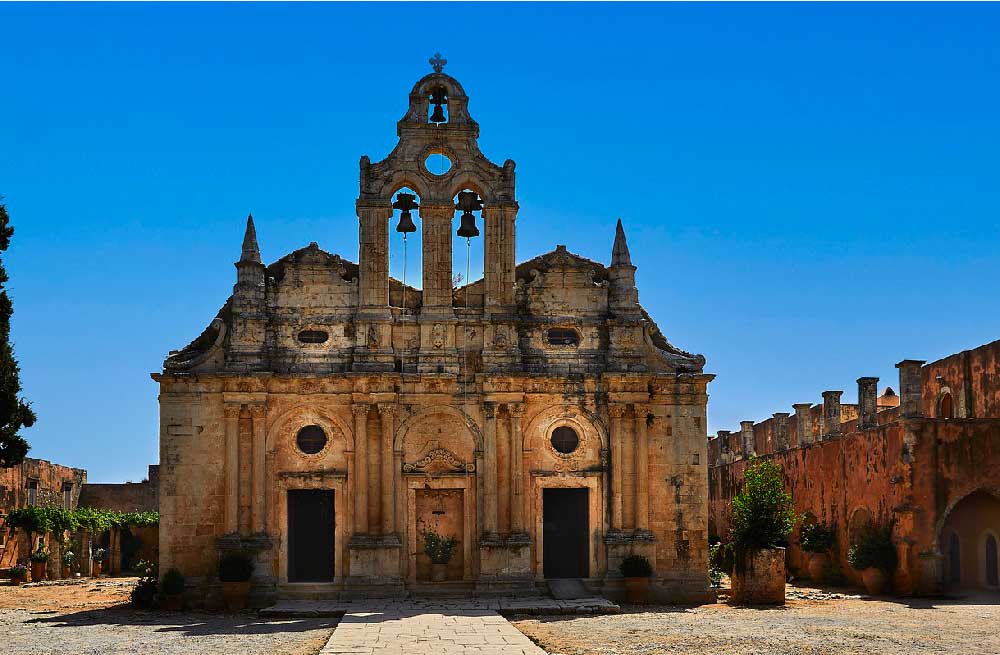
x=335, y=481
x=595, y=513
x=453, y=482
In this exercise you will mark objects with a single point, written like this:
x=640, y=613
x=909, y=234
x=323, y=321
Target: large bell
x=438, y=98
x=437, y=116
x=468, y=227
x=468, y=202
x=405, y=203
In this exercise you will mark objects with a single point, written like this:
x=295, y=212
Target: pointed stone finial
x=619, y=254
x=251, y=252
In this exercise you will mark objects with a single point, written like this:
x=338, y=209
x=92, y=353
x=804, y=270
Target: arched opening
x=404, y=250
x=861, y=523
x=437, y=106
x=969, y=535
x=468, y=249
x=946, y=407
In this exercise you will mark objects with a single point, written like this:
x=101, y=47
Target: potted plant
x=67, y=561
x=235, y=570
x=817, y=540
x=636, y=570
x=144, y=591
x=440, y=550
x=97, y=556
x=39, y=558
x=875, y=556
x=18, y=573
x=762, y=519
x=173, y=590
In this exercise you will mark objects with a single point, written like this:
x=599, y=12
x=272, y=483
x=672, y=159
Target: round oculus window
x=565, y=440
x=311, y=439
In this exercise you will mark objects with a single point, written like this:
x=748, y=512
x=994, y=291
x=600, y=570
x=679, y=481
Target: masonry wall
x=125, y=497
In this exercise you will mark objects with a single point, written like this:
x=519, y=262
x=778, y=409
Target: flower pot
x=439, y=572
x=65, y=573
x=874, y=580
x=37, y=571
x=636, y=590
x=97, y=570
x=173, y=602
x=818, y=564
x=235, y=595
x=17, y=580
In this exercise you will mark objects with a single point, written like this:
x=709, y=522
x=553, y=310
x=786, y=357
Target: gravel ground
x=834, y=626
x=90, y=618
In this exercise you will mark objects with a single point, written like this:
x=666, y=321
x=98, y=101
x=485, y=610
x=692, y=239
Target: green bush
x=816, y=538
x=235, y=567
x=874, y=550
x=762, y=513
x=720, y=560
x=40, y=554
x=439, y=548
x=635, y=566
x=144, y=591
x=173, y=583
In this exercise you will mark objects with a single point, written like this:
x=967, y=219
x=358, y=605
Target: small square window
x=67, y=495
x=32, y=492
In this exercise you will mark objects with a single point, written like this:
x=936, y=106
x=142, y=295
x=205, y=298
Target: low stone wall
x=762, y=579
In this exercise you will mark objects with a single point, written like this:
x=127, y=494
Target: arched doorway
x=969, y=538
x=946, y=406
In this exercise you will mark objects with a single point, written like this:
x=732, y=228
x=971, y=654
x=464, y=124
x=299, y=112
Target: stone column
x=803, y=423
x=387, y=413
x=641, y=469
x=911, y=388
x=360, y=467
x=617, y=468
x=490, y=472
x=781, y=431
x=373, y=256
x=746, y=437
x=498, y=251
x=258, y=412
x=723, y=437
x=232, y=467
x=831, y=413
x=867, y=398
x=516, y=411
x=436, y=237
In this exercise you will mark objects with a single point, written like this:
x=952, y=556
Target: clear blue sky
x=810, y=191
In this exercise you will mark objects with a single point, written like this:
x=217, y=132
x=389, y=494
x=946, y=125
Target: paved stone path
x=415, y=630
x=503, y=605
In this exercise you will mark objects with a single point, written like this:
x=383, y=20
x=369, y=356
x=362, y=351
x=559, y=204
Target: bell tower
x=436, y=125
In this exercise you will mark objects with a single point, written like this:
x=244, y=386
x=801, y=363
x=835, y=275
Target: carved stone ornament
x=437, y=461
x=437, y=335
x=373, y=336
x=231, y=410
x=500, y=339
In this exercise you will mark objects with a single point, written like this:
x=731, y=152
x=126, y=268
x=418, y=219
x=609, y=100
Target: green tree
x=763, y=514
x=15, y=412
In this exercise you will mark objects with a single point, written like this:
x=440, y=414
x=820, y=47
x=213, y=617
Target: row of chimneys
x=910, y=406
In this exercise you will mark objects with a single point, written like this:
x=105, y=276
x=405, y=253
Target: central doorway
x=310, y=535
x=565, y=530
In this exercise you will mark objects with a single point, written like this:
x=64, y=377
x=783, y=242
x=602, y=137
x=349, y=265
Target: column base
x=374, y=563
x=505, y=564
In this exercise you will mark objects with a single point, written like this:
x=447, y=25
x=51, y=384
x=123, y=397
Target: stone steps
x=290, y=608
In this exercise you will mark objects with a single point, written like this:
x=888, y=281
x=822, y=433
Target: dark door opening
x=310, y=535
x=565, y=533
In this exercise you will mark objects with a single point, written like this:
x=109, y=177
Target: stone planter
x=761, y=579
x=637, y=590
x=439, y=572
x=874, y=580
x=818, y=564
x=235, y=594
x=38, y=571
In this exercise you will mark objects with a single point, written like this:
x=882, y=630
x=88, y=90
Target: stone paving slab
x=417, y=629
x=505, y=606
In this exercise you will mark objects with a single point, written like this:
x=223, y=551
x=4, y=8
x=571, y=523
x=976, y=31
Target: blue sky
x=810, y=191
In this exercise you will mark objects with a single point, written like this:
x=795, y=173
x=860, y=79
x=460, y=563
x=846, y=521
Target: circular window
x=437, y=163
x=311, y=439
x=565, y=440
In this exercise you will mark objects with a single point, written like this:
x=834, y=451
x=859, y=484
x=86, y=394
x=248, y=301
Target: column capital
x=258, y=410
x=374, y=206
x=490, y=410
x=436, y=210
x=516, y=410
x=616, y=410
x=360, y=409
x=801, y=407
x=642, y=410
x=387, y=409
x=232, y=410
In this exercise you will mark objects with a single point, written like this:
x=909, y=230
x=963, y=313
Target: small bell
x=438, y=98
x=468, y=202
x=405, y=203
x=438, y=115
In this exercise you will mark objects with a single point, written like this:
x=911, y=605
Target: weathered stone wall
x=125, y=497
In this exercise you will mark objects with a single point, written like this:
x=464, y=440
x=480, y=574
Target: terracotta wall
x=125, y=497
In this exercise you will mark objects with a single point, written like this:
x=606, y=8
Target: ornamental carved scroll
x=438, y=461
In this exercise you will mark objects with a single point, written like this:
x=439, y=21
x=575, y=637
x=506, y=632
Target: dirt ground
x=804, y=626
x=91, y=617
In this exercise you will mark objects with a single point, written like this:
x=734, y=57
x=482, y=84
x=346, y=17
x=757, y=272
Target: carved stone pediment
x=438, y=461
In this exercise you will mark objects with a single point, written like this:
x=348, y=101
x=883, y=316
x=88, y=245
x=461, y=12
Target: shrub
x=97, y=554
x=816, y=538
x=762, y=513
x=145, y=591
x=68, y=558
x=173, y=583
x=720, y=560
x=40, y=554
x=635, y=566
x=19, y=571
x=235, y=567
x=874, y=550
x=439, y=548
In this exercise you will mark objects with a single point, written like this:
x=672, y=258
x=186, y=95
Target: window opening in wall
x=563, y=337
x=565, y=440
x=311, y=439
x=992, y=575
x=32, y=492
x=313, y=336
x=67, y=491
x=946, y=408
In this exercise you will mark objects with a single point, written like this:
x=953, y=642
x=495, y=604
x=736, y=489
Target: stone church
x=330, y=416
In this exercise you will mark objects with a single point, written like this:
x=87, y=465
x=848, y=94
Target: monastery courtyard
x=93, y=617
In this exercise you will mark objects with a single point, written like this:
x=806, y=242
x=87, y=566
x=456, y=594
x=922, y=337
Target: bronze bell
x=438, y=115
x=438, y=98
x=468, y=202
x=405, y=203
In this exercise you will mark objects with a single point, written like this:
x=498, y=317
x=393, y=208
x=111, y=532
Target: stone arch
x=972, y=523
x=946, y=404
x=861, y=521
x=405, y=426
x=573, y=415
x=939, y=526
x=286, y=425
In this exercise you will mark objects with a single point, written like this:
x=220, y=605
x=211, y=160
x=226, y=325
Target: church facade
x=330, y=417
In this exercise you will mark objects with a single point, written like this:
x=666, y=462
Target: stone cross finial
x=436, y=62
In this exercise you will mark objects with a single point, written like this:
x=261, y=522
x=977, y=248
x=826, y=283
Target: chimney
x=911, y=388
x=867, y=399
x=781, y=430
x=803, y=423
x=831, y=413
x=746, y=436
